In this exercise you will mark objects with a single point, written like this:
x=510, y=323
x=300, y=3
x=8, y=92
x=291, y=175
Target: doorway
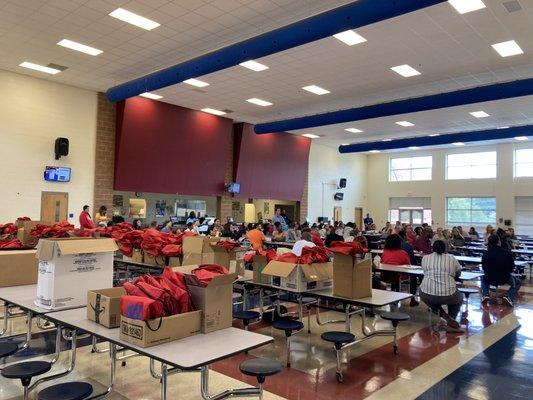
x=358, y=219
x=411, y=216
x=54, y=206
x=337, y=214
x=290, y=210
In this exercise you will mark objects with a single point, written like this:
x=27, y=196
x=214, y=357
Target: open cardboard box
x=259, y=264
x=18, y=267
x=299, y=277
x=24, y=231
x=215, y=300
x=69, y=268
x=103, y=306
x=230, y=259
x=197, y=250
x=352, y=279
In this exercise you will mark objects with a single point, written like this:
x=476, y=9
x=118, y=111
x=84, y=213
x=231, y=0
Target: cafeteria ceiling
x=452, y=51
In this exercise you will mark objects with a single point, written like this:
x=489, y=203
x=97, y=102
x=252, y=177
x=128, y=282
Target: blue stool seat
x=260, y=368
x=395, y=317
x=308, y=300
x=288, y=325
x=7, y=349
x=468, y=291
x=338, y=338
x=26, y=370
x=66, y=391
x=246, y=315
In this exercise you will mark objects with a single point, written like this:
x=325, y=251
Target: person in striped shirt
x=438, y=287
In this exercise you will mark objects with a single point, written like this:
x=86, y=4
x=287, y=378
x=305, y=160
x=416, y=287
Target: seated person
x=256, y=237
x=279, y=235
x=498, y=266
x=438, y=287
x=306, y=241
x=422, y=242
x=457, y=239
x=333, y=237
x=294, y=233
x=393, y=254
x=473, y=233
x=386, y=228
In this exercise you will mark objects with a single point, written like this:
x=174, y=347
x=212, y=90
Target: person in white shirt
x=438, y=287
x=306, y=241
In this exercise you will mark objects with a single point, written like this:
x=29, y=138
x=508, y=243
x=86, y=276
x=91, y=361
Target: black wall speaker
x=342, y=183
x=61, y=147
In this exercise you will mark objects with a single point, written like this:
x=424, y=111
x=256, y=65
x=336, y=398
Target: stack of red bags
x=228, y=245
x=348, y=248
x=269, y=254
x=59, y=230
x=8, y=229
x=205, y=273
x=310, y=255
x=11, y=244
x=151, y=297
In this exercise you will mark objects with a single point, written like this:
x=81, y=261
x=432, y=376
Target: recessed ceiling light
x=310, y=136
x=316, y=89
x=213, y=111
x=479, y=114
x=466, y=6
x=354, y=130
x=349, y=37
x=508, y=49
x=259, y=102
x=521, y=138
x=253, y=65
x=70, y=44
x=405, y=123
x=345, y=144
x=503, y=127
x=374, y=151
x=40, y=68
x=196, y=82
x=458, y=143
x=387, y=140
x=434, y=135
x=414, y=147
x=405, y=70
x=134, y=19
x=152, y=96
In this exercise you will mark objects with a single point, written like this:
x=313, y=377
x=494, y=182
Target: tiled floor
x=491, y=359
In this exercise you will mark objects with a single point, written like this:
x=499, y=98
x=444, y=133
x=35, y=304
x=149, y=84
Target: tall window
x=523, y=163
x=410, y=169
x=471, y=165
x=524, y=215
x=467, y=211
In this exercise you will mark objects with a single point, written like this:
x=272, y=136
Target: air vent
x=57, y=66
x=512, y=6
x=228, y=111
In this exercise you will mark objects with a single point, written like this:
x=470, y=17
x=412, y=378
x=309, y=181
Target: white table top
x=191, y=352
x=24, y=297
x=416, y=270
x=379, y=297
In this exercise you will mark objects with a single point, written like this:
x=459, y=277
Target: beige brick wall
x=105, y=153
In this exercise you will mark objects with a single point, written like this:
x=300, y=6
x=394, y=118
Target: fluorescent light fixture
x=434, y=135
x=374, y=151
x=213, y=111
x=466, y=6
x=345, y=144
x=508, y=49
x=479, y=114
x=310, y=136
x=152, y=96
x=458, y=143
x=316, y=89
x=70, y=44
x=196, y=82
x=40, y=68
x=405, y=123
x=405, y=70
x=354, y=130
x=387, y=140
x=349, y=37
x=414, y=147
x=253, y=65
x=521, y=138
x=134, y=19
x=503, y=127
x=259, y=102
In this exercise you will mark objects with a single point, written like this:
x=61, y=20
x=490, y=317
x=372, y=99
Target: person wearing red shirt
x=423, y=242
x=85, y=219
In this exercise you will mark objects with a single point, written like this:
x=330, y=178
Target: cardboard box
x=197, y=250
x=69, y=268
x=137, y=256
x=160, y=330
x=18, y=267
x=151, y=260
x=215, y=300
x=299, y=277
x=352, y=279
x=24, y=232
x=103, y=306
x=225, y=258
x=174, y=262
x=237, y=267
x=259, y=264
x=30, y=224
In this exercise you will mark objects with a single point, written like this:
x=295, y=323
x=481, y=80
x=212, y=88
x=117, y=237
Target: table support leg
x=164, y=376
x=29, y=321
x=6, y=317
x=320, y=322
x=245, y=392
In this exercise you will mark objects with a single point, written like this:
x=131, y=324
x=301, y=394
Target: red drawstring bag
x=8, y=229
x=141, y=308
x=317, y=240
x=133, y=290
x=177, y=278
x=347, y=248
x=288, y=258
x=172, y=250
x=160, y=294
x=205, y=273
x=228, y=245
x=312, y=255
x=181, y=296
x=11, y=244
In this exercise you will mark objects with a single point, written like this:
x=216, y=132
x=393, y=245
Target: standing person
x=498, y=266
x=101, y=216
x=368, y=221
x=256, y=237
x=286, y=218
x=279, y=218
x=438, y=287
x=85, y=219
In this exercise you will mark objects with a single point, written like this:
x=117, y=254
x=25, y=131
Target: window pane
x=471, y=165
x=412, y=168
x=394, y=215
x=405, y=216
x=421, y=174
x=483, y=171
x=457, y=160
x=459, y=203
x=483, y=217
x=483, y=203
x=427, y=217
x=417, y=217
x=458, y=173
x=524, y=155
x=400, y=163
x=401, y=175
x=524, y=169
x=457, y=216
x=422, y=162
x=484, y=158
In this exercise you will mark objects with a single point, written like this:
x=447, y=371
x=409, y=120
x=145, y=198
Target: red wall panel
x=163, y=148
x=270, y=166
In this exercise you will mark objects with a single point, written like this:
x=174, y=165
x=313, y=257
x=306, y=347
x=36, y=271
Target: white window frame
x=526, y=163
x=470, y=223
x=411, y=169
x=467, y=166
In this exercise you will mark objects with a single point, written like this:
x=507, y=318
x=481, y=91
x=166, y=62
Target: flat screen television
x=233, y=187
x=57, y=174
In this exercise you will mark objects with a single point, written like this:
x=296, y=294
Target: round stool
x=8, y=349
x=467, y=292
x=260, y=368
x=395, y=318
x=66, y=391
x=288, y=326
x=25, y=371
x=246, y=317
x=338, y=339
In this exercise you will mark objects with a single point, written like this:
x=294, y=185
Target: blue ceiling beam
x=350, y=16
x=498, y=91
x=423, y=141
